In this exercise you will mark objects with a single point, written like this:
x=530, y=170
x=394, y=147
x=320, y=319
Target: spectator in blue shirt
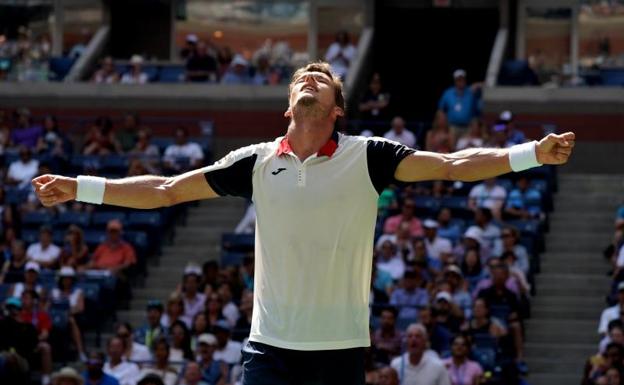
x=152, y=329
x=523, y=202
x=411, y=296
x=94, y=375
x=514, y=136
x=459, y=103
x=238, y=72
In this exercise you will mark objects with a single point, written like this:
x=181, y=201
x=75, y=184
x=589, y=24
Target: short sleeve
x=383, y=157
x=232, y=174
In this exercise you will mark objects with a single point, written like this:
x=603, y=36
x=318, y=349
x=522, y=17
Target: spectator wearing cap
x=107, y=74
x=488, y=195
x=435, y=244
x=213, y=371
x=160, y=367
x=523, y=201
x=416, y=366
x=400, y=134
x=192, y=375
x=514, y=135
x=32, y=313
x=175, y=312
x=472, y=239
x=22, y=170
x=182, y=155
x=152, y=329
x=14, y=268
x=67, y=291
x=30, y=281
x=201, y=65
x=459, y=103
x=18, y=336
x=190, y=42
x=387, y=338
x=462, y=370
x=389, y=260
x=237, y=72
x=194, y=301
x=25, y=133
x=410, y=296
x=67, y=376
x=611, y=313
x=134, y=351
x=114, y=254
x=341, y=54
x=490, y=233
x=455, y=279
x=407, y=215
x=44, y=252
x=446, y=312
x=228, y=351
x=135, y=75
x=94, y=373
x=125, y=372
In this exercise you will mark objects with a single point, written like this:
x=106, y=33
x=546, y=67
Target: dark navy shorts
x=269, y=365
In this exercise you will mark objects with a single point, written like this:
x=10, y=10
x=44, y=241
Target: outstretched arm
x=478, y=163
x=140, y=192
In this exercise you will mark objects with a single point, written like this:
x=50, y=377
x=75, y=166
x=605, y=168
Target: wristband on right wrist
x=90, y=189
x=523, y=156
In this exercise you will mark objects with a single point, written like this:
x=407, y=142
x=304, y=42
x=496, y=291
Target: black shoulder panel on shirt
x=382, y=158
x=234, y=179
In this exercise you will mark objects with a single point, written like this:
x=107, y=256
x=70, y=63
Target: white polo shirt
x=314, y=235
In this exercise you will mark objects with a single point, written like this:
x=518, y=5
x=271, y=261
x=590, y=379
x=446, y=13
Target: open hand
x=555, y=149
x=54, y=189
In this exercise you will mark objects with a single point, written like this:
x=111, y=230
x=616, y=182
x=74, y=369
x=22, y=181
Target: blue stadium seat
x=93, y=238
x=60, y=318
x=162, y=142
x=612, y=76
x=100, y=219
x=151, y=70
x=16, y=196
x=37, y=219
x=505, y=183
x=486, y=357
x=232, y=258
x=142, y=219
x=138, y=239
x=91, y=291
x=30, y=235
x=237, y=242
x=526, y=227
x=459, y=207
x=60, y=67
x=115, y=164
x=67, y=218
x=426, y=206
x=4, y=291
x=172, y=74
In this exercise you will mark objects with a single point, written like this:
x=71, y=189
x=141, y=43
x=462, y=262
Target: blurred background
x=517, y=280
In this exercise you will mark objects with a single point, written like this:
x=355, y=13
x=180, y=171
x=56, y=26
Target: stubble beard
x=310, y=108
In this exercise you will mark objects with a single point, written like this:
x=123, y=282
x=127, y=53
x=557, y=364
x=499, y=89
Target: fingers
x=49, y=185
x=564, y=140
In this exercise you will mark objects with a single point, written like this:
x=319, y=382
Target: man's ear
x=339, y=111
x=288, y=113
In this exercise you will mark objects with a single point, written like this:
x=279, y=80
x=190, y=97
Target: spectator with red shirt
x=41, y=320
x=114, y=254
x=407, y=215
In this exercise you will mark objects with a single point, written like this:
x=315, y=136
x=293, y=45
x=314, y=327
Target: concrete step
x=575, y=267
x=160, y=292
x=578, y=238
x=572, y=256
x=577, y=352
x=565, y=313
x=596, y=206
x=573, y=279
x=563, y=245
x=555, y=378
x=539, y=365
x=581, y=215
x=564, y=334
x=556, y=288
x=564, y=225
x=570, y=300
x=582, y=328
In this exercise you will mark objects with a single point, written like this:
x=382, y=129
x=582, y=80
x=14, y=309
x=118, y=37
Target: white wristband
x=523, y=156
x=90, y=189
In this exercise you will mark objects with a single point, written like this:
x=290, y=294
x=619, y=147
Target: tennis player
x=315, y=193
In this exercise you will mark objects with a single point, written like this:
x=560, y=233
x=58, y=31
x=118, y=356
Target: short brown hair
x=325, y=68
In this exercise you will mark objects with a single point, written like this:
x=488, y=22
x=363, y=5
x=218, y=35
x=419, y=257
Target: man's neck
x=307, y=136
x=415, y=358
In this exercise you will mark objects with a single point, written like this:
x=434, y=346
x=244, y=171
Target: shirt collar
x=328, y=149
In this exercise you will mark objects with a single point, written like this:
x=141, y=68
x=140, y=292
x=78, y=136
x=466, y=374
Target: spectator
x=78, y=49
x=374, y=106
x=125, y=372
x=135, y=75
x=472, y=268
x=201, y=66
x=22, y=171
x=192, y=375
x=473, y=138
x=388, y=376
x=224, y=58
x=161, y=368
x=514, y=136
x=482, y=323
x=68, y=292
x=153, y=329
x=107, y=73
x=114, y=254
x=341, y=54
x=243, y=324
x=439, y=336
x=597, y=366
x=488, y=195
x=472, y=239
x=190, y=42
x=182, y=151
x=387, y=202
x=199, y=327
x=228, y=351
x=40, y=319
x=459, y=103
x=146, y=153
x=126, y=134
x=193, y=300
x=410, y=296
x=95, y=375
x=237, y=72
x=180, y=343
x=263, y=73
x=461, y=369
x=416, y=367
x=407, y=215
x=247, y=224
x=14, y=268
x=523, y=202
x=509, y=258
x=44, y=252
x=25, y=133
x=615, y=334
x=611, y=313
x=387, y=338
x=75, y=251
x=67, y=376
x=214, y=372
x=455, y=280
x=440, y=138
x=30, y=281
x=446, y=227
x=390, y=261
x=52, y=142
x=134, y=351
x=400, y=134
x=490, y=233
x=435, y=244
x=511, y=237
x=175, y=312
x=446, y=312
x=230, y=310
x=100, y=139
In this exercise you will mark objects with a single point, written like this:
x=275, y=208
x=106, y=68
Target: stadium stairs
x=572, y=285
